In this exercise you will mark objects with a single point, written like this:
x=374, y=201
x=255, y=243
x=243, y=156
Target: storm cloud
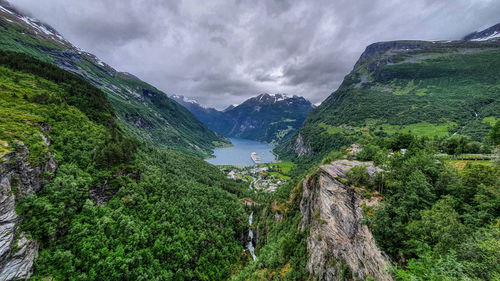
x=222, y=52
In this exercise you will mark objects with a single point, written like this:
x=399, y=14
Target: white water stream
x=250, y=246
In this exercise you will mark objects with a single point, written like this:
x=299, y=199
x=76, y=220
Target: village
x=262, y=177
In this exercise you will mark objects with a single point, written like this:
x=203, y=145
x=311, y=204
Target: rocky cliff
x=18, y=177
x=300, y=148
x=340, y=247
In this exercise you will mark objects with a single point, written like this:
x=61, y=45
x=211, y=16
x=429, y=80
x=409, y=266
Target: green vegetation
x=422, y=129
x=121, y=207
x=282, y=167
x=280, y=170
x=179, y=221
x=436, y=222
x=437, y=91
x=168, y=216
x=144, y=111
x=282, y=251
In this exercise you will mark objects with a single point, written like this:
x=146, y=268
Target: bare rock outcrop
x=300, y=147
x=340, y=247
x=18, y=177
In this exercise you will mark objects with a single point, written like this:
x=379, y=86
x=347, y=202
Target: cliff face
x=339, y=246
x=300, y=148
x=17, y=177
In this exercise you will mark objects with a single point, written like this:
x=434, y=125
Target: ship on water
x=255, y=157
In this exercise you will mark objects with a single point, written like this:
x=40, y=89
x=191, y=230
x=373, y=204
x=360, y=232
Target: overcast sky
x=223, y=52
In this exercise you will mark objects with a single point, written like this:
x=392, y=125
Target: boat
x=255, y=157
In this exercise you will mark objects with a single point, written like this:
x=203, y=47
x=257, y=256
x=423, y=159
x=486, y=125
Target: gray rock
x=20, y=264
x=339, y=246
x=17, y=252
x=300, y=147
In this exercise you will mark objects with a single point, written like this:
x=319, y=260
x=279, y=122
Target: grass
x=423, y=129
x=280, y=175
x=19, y=119
x=331, y=129
x=280, y=169
x=460, y=164
x=284, y=167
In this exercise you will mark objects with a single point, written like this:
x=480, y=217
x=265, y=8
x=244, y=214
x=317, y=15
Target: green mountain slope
x=107, y=208
x=426, y=88
x=142, y=109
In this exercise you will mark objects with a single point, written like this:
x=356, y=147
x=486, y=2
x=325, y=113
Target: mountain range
x=428, y=88
x=269, y=118
x=378, y=186
x=141, y=108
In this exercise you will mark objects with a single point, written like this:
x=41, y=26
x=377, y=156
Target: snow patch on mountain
x=39, y=28
x=491, y=33
x=184, y=99
x=274, y=98
x=496, y=34
x=6, y=10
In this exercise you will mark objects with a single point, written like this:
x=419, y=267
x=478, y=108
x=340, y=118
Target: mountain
x=83, y=199
x=429, y=88
x=230, y=107
x=268, y=118
x=402, y=210
x=141, y=108
x=492, y=33
x=211, y=117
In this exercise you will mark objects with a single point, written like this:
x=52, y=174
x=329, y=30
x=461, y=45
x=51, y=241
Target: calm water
x=239, y=154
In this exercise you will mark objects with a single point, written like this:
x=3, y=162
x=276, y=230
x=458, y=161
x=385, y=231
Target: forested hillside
x=436, y=218
x=424, y=113
x=110, y=207
x=143, y=110
x=396, y=176
x=425, y=88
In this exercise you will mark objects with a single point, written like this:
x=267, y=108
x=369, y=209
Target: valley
x=394, y=176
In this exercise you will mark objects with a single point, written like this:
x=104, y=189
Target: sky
x=223, y=52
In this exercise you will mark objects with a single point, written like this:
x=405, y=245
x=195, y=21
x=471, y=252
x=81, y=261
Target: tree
x=439, y=227
x=358, y=176
x=495, y=133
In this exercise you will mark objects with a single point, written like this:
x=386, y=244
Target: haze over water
x=239, y=154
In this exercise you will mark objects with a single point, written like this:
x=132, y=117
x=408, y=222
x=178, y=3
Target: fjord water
x=239, y=153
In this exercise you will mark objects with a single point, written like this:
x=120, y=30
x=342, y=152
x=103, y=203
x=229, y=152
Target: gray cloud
x=222, y=52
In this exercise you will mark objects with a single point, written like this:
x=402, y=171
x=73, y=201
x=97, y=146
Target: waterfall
x=250, y=246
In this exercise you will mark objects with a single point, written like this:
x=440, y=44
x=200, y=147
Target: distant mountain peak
x=185, y=99
x=230, y=107
x=272, y=98
x=491, y=33
x=266, y=117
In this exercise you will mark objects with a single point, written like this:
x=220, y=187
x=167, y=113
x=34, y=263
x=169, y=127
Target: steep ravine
x=339, y=246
